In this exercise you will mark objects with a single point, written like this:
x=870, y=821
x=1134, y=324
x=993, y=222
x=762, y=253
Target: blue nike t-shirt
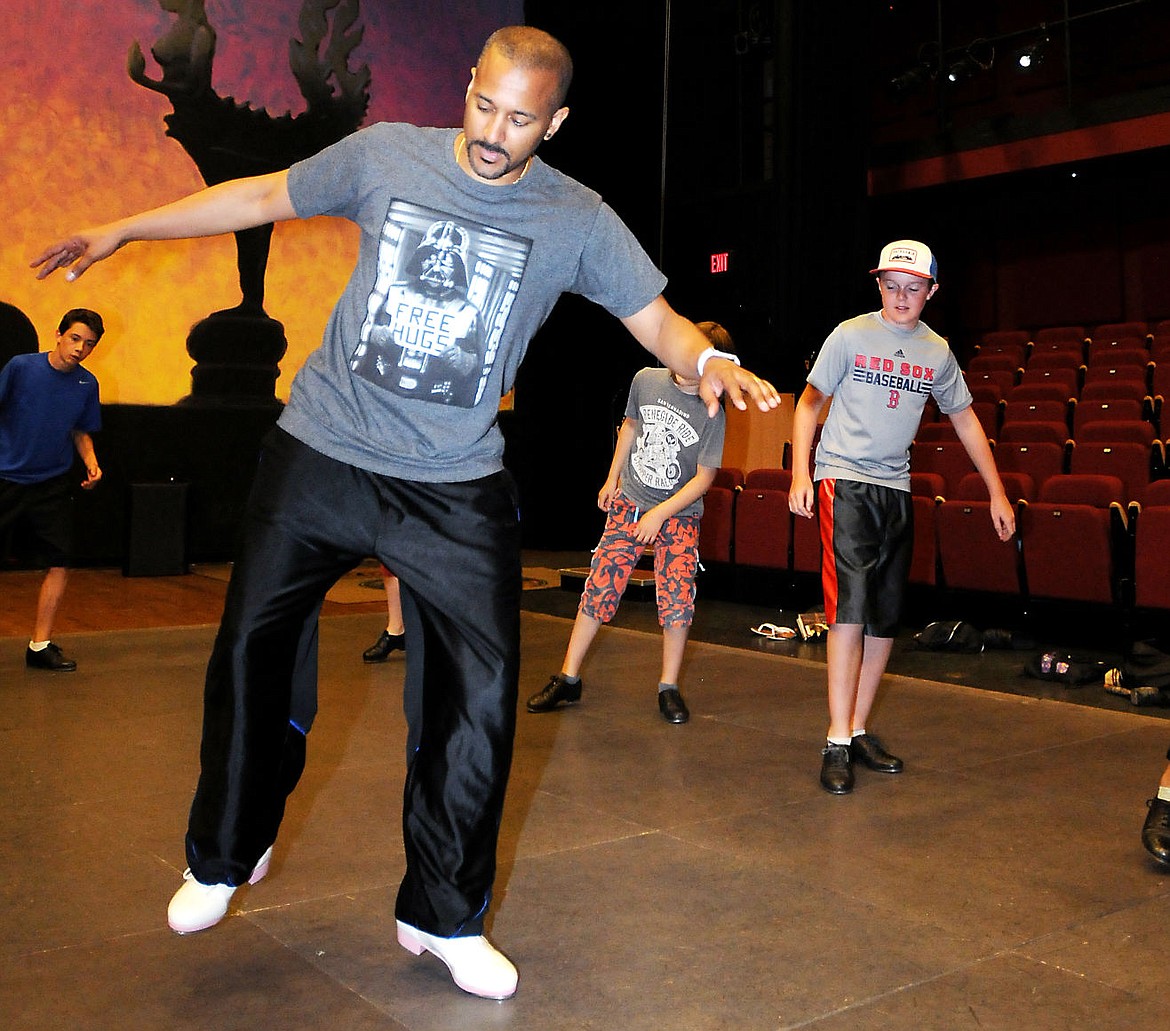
x=39, y=410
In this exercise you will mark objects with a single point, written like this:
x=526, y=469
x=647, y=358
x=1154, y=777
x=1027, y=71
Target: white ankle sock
x=859, y=733
x=839, y=741
x=1164, y=794
x=38, y=646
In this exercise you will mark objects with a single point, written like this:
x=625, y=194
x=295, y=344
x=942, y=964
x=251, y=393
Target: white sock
x=38, y=646
x=859, y=733
x=839, y=741
x=1164, y=794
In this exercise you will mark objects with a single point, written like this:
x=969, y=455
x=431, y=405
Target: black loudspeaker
x=156, y=543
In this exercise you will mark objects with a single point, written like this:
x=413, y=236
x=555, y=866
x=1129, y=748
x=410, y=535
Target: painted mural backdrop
x=81, y=143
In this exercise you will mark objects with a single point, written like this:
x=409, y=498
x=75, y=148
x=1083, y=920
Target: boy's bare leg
x=674, y=643
x=845, y=649
x=875, y=657
x=565, y=687
x=670, y=700
x=580, y=640
x=394, y=624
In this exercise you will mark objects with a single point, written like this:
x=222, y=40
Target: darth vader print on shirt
x=439, y=306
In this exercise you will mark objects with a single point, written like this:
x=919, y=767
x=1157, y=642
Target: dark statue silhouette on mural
x=237, y=351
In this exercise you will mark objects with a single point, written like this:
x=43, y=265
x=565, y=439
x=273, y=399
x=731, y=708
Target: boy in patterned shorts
x=667, y=452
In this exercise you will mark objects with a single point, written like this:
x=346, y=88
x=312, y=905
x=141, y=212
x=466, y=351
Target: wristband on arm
x=711, y=352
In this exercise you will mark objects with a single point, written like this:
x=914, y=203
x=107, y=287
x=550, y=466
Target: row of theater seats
x=1050, y=454
x=1061, y=374
x=1075, y=541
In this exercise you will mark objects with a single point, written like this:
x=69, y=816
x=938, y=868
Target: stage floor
x=651, y=876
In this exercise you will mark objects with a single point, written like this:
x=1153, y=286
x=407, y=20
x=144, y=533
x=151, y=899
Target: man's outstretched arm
x=225, y=208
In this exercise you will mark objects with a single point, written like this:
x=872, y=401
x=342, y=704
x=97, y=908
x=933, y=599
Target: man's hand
x=723, y=377
x=77, y=252
x=92, y=475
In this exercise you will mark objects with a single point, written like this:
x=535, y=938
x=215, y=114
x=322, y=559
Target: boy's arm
x=83, y=442
x=802, y=494
x=970, y=431
x=675, y=342
x=224, y=208
x=690, y=492
x=613, y=482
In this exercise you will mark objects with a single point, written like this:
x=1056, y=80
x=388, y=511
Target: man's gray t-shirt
x=880, y=376
x=675, y=437
x=453, y=278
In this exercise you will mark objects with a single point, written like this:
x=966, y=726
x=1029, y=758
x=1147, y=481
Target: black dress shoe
x=836, y=770
x=869, y=750
x=672, y=707
x=1156, y=830
x=49, y=658
x=380, y=650
x=557, y=690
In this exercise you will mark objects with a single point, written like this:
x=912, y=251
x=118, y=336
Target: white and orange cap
x=907, y=256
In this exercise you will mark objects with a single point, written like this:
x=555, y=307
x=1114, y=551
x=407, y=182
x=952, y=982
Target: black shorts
x=867, y=536
x=46, y=508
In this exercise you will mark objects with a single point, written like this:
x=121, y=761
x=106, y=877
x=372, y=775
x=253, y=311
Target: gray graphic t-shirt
x=675, y=437
x=880, y=376
x=453, y=278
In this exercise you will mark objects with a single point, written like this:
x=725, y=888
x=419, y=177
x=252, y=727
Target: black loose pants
x=456, y=550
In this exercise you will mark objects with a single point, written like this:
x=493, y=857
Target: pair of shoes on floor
x=837, y=762
x=475, y=964
x=556, y=691
x=672, y=706
x=1116, y=682
x=197, y=906
x=1156, y=830
x=49, y=658
x=380, y=650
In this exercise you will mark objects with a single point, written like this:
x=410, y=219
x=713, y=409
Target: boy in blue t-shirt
x=48, y=409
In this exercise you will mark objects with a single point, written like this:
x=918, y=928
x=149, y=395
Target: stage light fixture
x=978, y=57
x=1033, y=55
x=912, y=79
x=961, y=70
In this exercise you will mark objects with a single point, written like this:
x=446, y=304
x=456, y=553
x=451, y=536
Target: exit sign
x=719, y=262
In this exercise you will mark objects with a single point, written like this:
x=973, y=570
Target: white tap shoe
x=475, y=964
x=197, y=906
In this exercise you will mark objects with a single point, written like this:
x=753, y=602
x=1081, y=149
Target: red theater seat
x=763, y=524
x=1081, y=516
x=1151, y=575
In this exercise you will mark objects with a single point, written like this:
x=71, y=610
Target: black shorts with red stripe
x=867, y=535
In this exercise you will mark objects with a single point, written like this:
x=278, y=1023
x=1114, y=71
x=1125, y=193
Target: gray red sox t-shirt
x=880, y=376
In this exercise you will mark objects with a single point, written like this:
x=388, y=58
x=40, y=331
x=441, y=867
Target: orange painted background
x=80, y=143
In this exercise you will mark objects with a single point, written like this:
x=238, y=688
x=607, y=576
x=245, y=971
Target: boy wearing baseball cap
x=878, y=369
